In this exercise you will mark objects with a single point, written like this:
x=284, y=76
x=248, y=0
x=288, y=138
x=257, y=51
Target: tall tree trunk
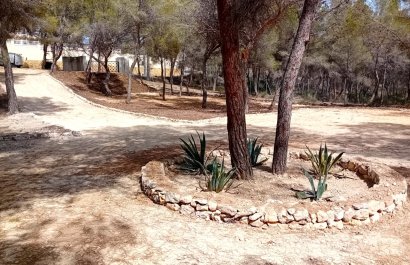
x=376, y=82
x=88, y=70
x=12, y=103
x=181, y=81
x=130, y=72
x=182, y=66
x=137, y=58
x=255, y=79
x=245, y=85
x=44, y=61
x=147, y=68
x=99, y=64
x=215, y=81
x=408, y=88
x=383, y=85
x=191, y=76
x=57, y=51
x=203, y=85
x=234, y=89
x=267, y=88
x=289, y=79
x=163, y=78
x=275, y=95
x=107, y=90
x=171, y=74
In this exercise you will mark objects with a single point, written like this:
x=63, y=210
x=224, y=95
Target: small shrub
x=254, y=151
x=195, y=158
x=219, y=179
x=322, y=162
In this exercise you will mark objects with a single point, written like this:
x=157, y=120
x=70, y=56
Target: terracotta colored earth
x=76, y=199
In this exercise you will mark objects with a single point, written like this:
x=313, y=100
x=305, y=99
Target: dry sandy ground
x=76, y=200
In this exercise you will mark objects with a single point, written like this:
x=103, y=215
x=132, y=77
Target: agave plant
x=322, y=162
x=195, y=158
x=219, y=179
x=254, y=151
x=316, y=192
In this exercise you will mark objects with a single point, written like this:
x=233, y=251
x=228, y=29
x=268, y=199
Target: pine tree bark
x=234, y=89
x=12, y=103
x=44, y=61
x=171, y=74
x=130, y=72
x=289, y=79
x=203, y=85
x=163, y=78
x=57, y=51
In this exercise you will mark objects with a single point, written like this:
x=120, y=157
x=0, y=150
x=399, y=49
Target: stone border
x=295, y=218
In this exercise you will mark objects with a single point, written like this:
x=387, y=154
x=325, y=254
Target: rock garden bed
x=358, y=193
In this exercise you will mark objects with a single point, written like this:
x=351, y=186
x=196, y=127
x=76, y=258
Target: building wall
x=32, y=53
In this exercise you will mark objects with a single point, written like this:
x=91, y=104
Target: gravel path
x=76, y=200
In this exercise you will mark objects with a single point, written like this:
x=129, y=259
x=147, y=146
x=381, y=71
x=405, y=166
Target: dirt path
x=76, y=200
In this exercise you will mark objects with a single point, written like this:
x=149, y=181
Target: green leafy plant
x=323, y=161
x=315, y=192
x=195, y=158
x=254, y=151
x=219, y=179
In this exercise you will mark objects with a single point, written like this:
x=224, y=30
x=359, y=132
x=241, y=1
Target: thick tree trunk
x=245, y=86
x=203, y=85
x=44, y=61
x=289, y=79
x=234, y=89
x=130, y=72
x=12, y=103
x=163, y=78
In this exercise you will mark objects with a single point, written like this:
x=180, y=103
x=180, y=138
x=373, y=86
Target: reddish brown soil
x=147, y=100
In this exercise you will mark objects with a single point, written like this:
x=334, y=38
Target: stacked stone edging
x=295, y=218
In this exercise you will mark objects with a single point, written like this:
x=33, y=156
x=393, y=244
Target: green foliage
x=314, y=193
x=220, y=179
x=323, y=161
x=195, y=158
x=254, y=151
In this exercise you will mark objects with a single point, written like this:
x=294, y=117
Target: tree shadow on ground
x=35, y=169
x=40, y=106
x=373, y=140
x=17, y=252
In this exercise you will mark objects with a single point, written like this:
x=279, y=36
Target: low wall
x=297, y=217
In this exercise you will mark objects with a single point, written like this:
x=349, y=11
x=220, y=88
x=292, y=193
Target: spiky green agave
x=219, y=179
x=254, y=151
x=195, y=158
